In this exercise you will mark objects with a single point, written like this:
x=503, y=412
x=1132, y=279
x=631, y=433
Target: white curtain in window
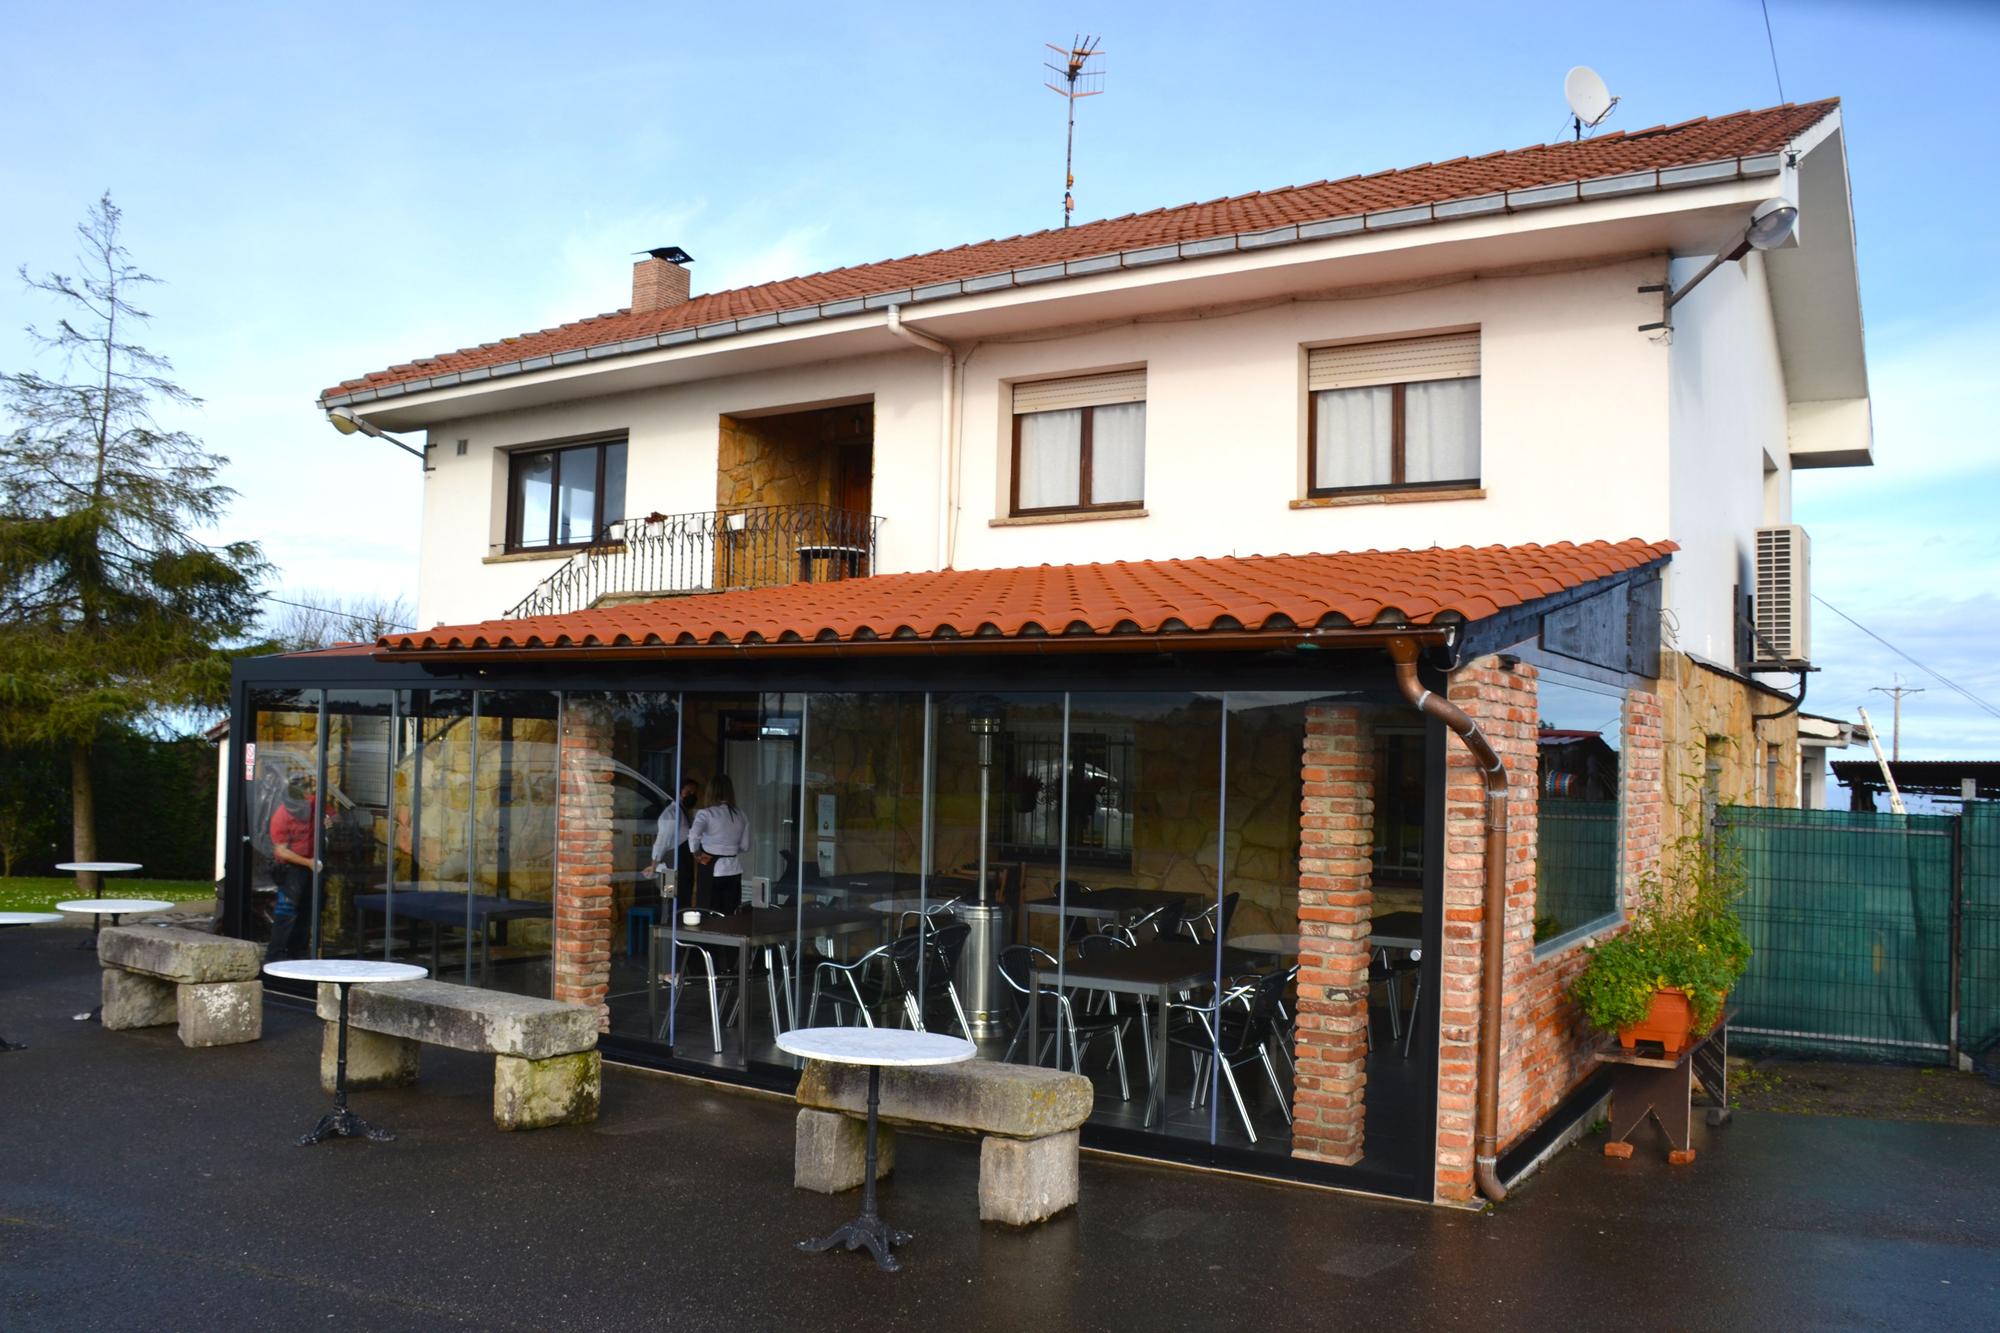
x=577, y=497
x=1352, y=436
x=535, y=479
x=1051, y=458
x=1441, y=431
x=1118, y=454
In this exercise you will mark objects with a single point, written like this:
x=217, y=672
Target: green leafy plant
x=1685, y=935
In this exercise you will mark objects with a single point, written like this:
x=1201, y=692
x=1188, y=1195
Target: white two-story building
x=1134, y=575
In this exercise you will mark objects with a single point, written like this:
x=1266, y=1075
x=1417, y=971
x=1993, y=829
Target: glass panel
x=534, y=497
x=1352, y=433
x=650, y=827
x=1051, y=458
x=513, y=842
x=1441, y=430
x=423, y=916
x=281, y=803
x=1118, y=453
x=576, y=496
x=357, y=838
x=870, y=949
x=1578, y=748
x=614, y=485
x=1143, y=854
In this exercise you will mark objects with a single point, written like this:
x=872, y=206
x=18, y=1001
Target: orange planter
x=1670, y=1022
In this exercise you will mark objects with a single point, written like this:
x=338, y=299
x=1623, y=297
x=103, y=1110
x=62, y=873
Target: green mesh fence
x=1849, y=913
x=1576, y=864
x=1979, y=937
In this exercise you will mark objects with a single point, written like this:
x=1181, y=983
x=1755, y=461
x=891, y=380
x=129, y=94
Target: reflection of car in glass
x=636, y=803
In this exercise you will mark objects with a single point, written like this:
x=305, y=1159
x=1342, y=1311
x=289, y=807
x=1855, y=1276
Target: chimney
x=660, y=279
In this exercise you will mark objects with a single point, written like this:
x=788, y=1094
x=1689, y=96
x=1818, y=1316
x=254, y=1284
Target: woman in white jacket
x=719, y=837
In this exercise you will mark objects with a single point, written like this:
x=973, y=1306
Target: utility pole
x=1077, y=82
x=1896, y=722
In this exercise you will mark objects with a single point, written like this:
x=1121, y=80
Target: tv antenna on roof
x=1076, y=82
x=1589, y=100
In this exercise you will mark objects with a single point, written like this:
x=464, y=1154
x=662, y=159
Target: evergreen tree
x=111, y=606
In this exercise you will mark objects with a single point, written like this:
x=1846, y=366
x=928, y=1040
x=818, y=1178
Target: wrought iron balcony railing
x=667, y=554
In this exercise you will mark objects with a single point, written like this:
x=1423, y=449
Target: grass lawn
x=25, y=893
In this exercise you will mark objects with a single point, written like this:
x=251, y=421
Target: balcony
x=669, y=555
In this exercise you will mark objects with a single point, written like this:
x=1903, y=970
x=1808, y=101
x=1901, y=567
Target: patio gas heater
x=979, y=963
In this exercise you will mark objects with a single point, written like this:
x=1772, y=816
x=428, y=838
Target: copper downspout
x=1493, y=936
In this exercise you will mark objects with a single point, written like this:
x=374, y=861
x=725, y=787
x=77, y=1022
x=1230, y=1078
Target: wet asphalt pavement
x=145, y=1186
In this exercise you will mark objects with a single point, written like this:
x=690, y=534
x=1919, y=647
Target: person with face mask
x=675, y=822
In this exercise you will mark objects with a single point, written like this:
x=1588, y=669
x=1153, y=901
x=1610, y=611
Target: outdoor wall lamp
x=1771, y=225
x=347, y=423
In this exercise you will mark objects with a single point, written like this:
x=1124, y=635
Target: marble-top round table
x=877, y=1048
x=99, y=908
x=341, y=1123
x=24, y=919
x=101, y=869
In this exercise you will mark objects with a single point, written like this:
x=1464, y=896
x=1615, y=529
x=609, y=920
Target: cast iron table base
x=867, y=1231
x=341, y=1123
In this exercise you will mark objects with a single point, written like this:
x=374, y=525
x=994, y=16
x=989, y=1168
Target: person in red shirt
x=293, y=865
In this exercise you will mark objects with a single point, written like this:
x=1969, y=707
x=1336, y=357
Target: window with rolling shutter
x=1080, y=443
x=1394, y=415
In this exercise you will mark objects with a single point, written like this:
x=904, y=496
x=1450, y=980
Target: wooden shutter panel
x=1120, y=386
x=1355, y=365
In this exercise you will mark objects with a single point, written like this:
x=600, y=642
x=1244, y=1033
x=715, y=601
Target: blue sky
x=330, y=189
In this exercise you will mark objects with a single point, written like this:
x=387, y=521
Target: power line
x=1933, y=672
x=328, y=611
x=1772, y=42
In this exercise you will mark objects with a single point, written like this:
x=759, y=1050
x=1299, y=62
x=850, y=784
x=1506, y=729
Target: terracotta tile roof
x=1271, y=593
x=1744, y=134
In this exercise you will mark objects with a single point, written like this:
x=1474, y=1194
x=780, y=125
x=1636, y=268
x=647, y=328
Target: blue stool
x=639, y=922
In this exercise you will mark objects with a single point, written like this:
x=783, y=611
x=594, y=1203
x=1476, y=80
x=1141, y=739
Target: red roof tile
x=1744, y=134
x=1271, y=593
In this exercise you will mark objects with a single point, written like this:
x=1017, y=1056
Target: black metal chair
x=1236, y=1030
x=925, y=961
x=860, y=988
x=1056, y=1013
x=1212, y=920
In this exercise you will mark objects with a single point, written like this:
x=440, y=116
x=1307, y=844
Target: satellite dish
x=1589, y=100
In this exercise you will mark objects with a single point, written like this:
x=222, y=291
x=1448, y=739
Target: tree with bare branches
x=111, y=606
x=298, y=623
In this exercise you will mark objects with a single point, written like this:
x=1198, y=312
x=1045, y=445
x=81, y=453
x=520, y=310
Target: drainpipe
x=948, y=430
x=1493, y=937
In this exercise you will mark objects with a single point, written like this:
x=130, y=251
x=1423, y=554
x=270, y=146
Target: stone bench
x=1028, y=1118
x=208, y=984
x=546, y=1068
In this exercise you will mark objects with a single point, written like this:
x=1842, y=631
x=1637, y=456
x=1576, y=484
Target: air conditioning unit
x=1784, y=597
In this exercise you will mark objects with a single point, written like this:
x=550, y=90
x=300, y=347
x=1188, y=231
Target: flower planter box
x=1670, y=1022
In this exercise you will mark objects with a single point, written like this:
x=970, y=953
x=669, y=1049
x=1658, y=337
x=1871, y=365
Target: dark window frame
x=600, y=521
x=1397, y=448
x=1083, y=478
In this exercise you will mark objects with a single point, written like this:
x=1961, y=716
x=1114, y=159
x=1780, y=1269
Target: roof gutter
x=1493, y=930
x=1052, y=645
x=947, y=423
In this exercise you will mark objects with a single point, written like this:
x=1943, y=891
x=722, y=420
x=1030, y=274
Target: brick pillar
x=583, y=858
x=1643, y=762
x=1502, y=703
x=1336, y=897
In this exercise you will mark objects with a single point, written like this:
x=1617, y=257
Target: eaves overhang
x=1666, y=209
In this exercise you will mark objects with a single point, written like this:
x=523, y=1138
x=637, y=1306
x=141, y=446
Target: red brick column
x=583, y=858
x=1643, y=762
x=1336, y=897
x=1502, y=703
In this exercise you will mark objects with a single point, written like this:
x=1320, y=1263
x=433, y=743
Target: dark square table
x=1159, y=969
x=755, y=928
x=441, y=908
